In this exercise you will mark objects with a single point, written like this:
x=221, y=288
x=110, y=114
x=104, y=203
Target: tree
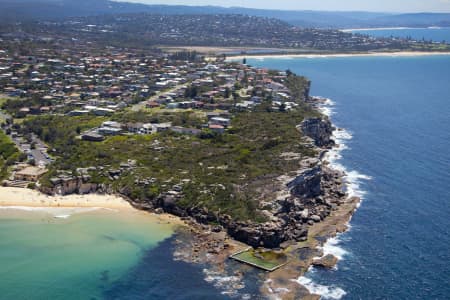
x=227, y=93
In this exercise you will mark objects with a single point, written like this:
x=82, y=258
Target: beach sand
x=376, y=54
x=19, y=198
x=10, y=196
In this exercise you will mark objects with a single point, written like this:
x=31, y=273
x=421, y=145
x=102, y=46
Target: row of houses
x=112, y=128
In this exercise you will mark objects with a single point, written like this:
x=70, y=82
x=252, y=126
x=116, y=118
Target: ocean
x=49, y=254
x=437, y=34
x=396, y=116
x=93, y=254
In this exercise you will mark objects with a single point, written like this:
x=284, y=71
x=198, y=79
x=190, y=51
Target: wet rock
x=311, y=297
x=328, y=261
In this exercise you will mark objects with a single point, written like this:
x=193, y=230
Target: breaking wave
x=326, y=292
x=229, y=285
x=57, y=212
x=353, y=180
x=331, y=247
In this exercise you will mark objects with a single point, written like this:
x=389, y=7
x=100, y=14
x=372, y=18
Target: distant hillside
x=145, y=30
x=18, y=10
x=413, y=20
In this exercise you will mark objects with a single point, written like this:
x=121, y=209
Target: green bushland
x=9, y=154
x=221, y=172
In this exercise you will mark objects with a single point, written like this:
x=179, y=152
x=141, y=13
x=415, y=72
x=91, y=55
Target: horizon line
x=286, y=10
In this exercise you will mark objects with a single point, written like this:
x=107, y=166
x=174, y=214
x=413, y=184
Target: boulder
x=328, y=261
x=307, y=184
x=315, y=218
x=305, y=214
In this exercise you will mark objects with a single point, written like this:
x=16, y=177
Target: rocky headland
x=304, y=210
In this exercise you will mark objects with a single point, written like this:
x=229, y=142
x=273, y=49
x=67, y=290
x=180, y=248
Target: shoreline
x=289, y=282
x=66, y=206
x=204, y=245
x=385, y=28
x=312, y=55
x=11, y=196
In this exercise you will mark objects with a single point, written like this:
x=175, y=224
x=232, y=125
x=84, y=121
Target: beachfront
x=369, y=54
x=11, y=196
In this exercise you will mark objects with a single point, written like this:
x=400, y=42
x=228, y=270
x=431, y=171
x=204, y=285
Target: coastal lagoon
x=396, y=116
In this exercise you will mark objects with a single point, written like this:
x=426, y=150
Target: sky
x=347, y=5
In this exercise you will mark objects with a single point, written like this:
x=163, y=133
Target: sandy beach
x=386, y=28
x=375, y=54
x=380, y=28
x=11, y=197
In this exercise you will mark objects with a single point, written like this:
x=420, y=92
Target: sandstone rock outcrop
x=328, y=261
x=318, y=129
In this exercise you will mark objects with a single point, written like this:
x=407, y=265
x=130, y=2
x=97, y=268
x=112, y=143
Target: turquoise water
x=434, y=34
x=105, y=255
x=43, y=257
x=396, y=111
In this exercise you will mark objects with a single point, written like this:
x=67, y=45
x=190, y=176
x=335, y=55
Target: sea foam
x=57, y=212
x=353, y=180
x=331, y=247
x=326, y=292
x=228, y=284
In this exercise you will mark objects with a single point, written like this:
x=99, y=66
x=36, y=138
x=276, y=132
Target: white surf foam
x=62, y=216
x=326, y=107
x=229, y=285
x=326, y=292
x=332, y=247
x=353, y=181
x=57, y=212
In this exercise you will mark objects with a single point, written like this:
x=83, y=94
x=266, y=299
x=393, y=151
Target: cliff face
x=307, y=184
x=318, y=129
x=74, y=185
x=314, y=193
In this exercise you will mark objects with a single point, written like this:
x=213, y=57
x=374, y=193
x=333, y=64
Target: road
x=39, y=154
x=141, y=105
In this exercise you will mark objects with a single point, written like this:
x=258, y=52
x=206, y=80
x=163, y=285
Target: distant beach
x=385, y=28
x=375, y=54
